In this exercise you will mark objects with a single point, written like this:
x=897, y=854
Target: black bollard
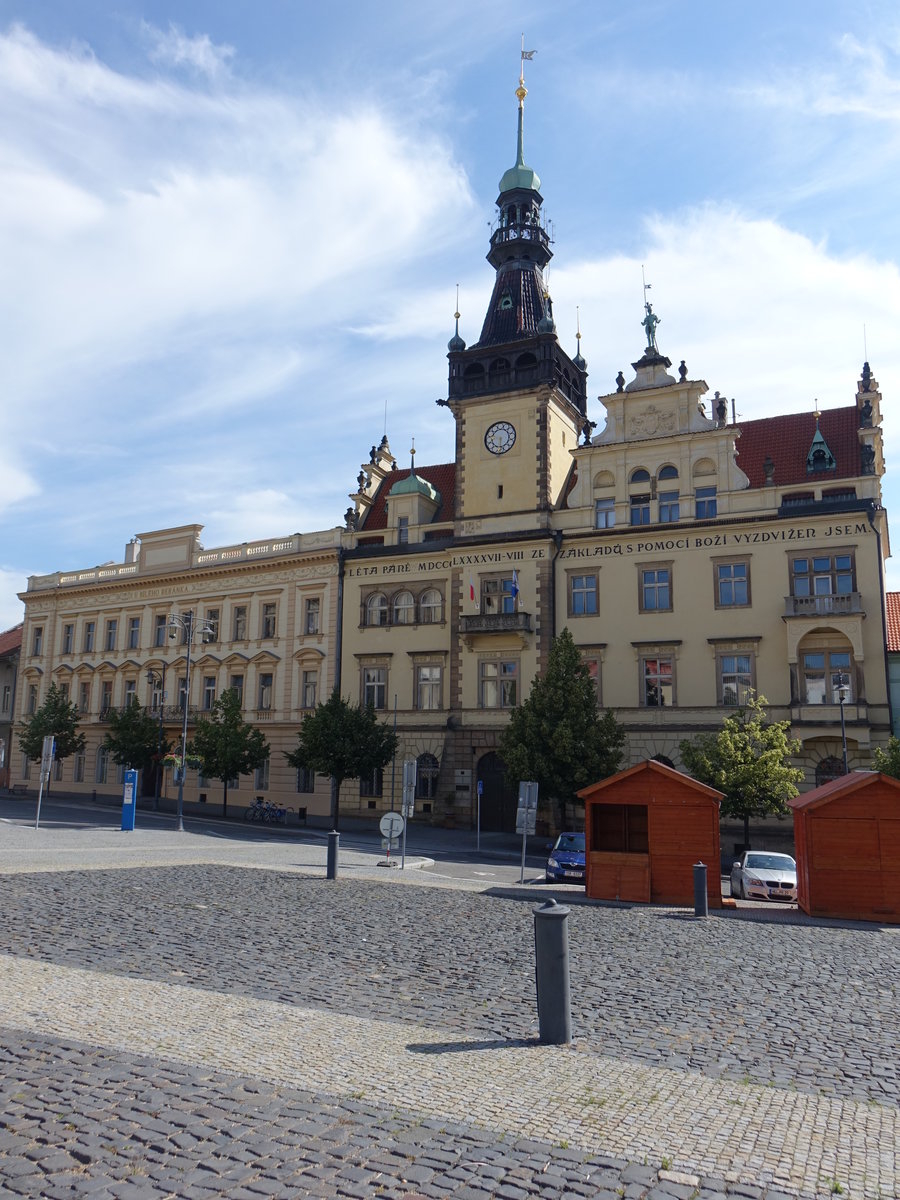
x=701, y=899
x=551, y=968
x=331, y=862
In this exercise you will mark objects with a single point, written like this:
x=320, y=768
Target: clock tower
x=520, y=402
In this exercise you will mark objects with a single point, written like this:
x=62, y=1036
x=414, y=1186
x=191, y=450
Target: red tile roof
x=11, y=639
x=892, y=611
x=787, y=440
x=442, y=478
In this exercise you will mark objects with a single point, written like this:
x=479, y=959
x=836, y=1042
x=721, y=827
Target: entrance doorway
x=499, y=796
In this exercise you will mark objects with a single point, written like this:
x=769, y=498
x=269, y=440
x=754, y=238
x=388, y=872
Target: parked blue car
x=566, y=861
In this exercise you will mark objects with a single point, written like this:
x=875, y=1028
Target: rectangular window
x=239, y=623
x=236, y=683
x=209, y=691
x=372, y=785
x=403, y=530
x=824, y=575
x=306, y=780
x=640, y=509
x=212, y=621
x=78, y=768
x=374, y=686
x=620, y=829
x=37, y=639
x=265, y=692
x=735, y=678
x=64, y=691
x=112, y=626
x=106, y=690
x=823, y=673
x=159, y=629
x=134, y=633
x=311, y=615
x=669, y=507
x=90, y=629
x=267, y=628
x=68, y=639
x=308, y=688
x=704, y=503
x=582, y=595
x=656, y=589
x=156, y=693
x=732, y=584
x=84, y=697
x=31, y=706
x=657, y=682
x=130, y=692
x=182, y=693
x=428, y=688
x=604, y=514
x=261, y=778
x=499, y=595
x=498, y=684
x=26, y=767
x=7, y=697
x=102, y=765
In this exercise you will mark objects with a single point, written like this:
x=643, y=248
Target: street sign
x=409, y=787
x=526, y=813
x=391, y=825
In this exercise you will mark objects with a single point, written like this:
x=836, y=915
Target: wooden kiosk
x=645, y=828
x=847, y=842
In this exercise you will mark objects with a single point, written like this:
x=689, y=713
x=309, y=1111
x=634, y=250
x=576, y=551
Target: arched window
x=404, y=609
x=668, y=472
x=430, y=607
x=669, y=500
x=640, y=475
x=376, y=609
x=427, y=771
x=828, y=769
x=640, y=497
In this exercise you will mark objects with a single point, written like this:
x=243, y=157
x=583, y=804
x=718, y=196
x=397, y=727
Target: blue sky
x=230, y=235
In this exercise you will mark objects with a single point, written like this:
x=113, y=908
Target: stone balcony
x=849, y=604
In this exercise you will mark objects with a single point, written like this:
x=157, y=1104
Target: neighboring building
x=693, y=557
x=892, y=611
x=10, y=647
x=102, y=635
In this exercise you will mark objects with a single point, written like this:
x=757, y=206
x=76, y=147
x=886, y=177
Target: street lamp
x=843, y=692
x=189, y=625
x=158, y=679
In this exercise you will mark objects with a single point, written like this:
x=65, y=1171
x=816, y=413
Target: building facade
x=10, y=649
x=694, y=558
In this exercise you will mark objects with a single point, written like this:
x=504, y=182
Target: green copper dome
x=414, y=485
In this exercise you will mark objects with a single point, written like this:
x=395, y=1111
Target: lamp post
x=843, y=695
x=158, y=678
x=189, y=625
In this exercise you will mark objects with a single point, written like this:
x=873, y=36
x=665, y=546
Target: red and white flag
x=472, y=592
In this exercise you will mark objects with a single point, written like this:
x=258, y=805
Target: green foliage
x=747, y=760
x=58, y=717
x=344, y=741
x=226, y=745
x=888, y=761
x=133, y=737
x=558, y=736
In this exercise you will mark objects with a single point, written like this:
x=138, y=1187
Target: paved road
x=218, y=1019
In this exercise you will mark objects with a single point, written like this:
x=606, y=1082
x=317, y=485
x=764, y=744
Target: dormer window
x=402, y=530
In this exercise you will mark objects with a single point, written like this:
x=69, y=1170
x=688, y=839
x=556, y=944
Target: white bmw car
x=763, y=875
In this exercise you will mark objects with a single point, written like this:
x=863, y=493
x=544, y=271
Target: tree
x=747, y=760
x=226, y=745
x=888, y=761
x=133, y=737
x=345, y=741
x=559, y=736
x=58, y=717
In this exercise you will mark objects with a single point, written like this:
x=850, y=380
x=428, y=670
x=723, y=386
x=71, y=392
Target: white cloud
x=174, y=48
x=16, y=484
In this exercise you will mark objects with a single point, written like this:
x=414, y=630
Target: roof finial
x=578, y=360
x=412, y=458
x=456, y=342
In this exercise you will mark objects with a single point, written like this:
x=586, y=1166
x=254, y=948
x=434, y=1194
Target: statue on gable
x=650, y=323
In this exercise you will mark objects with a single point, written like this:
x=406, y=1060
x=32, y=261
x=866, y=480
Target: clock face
x=500, y=437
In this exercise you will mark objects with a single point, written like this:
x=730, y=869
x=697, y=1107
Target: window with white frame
x=732, y=584
x=209, y=691
x=7, y=698
x=582, y=595
x=106, y=695
x=372, y=785
x=639, y=497
x=134, y=633
x=31, y=702
x=735, y=677
x=78, y=768
x=404, y=609
x=182, y=693
x=84, y=696
x=212, y=622
x=374, y=686
x=130, y=692
x=239, y=623
x=655, y=593
x=825, y=671
x=90, y=630
x=604, y=513
x=428, y=686
x=267, y=626
x=63, y=688
x=430, y=607
x=403, y=530
x=377, y=609
x=668, y=498
x=657, y=681
x=311, y=614
x=498, y=681
x=592, y=661
x=265, y=691
x=26, y=767
x=112, y=626
x=308, y=688
x=823, y=575
x=498, y=594
x=160, y=629
x=705, y=506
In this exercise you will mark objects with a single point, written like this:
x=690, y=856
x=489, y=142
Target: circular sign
x=391, y=825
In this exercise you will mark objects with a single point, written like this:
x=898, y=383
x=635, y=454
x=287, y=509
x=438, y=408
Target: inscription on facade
x=495, y=558
x=708, y=541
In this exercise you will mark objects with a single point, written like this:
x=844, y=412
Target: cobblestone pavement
x=214, y=1030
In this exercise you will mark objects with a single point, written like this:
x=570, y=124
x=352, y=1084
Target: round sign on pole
x=391, y=825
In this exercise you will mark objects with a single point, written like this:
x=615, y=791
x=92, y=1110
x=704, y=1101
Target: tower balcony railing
x=520, y=232
x=515, y=622
x=845, y=604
